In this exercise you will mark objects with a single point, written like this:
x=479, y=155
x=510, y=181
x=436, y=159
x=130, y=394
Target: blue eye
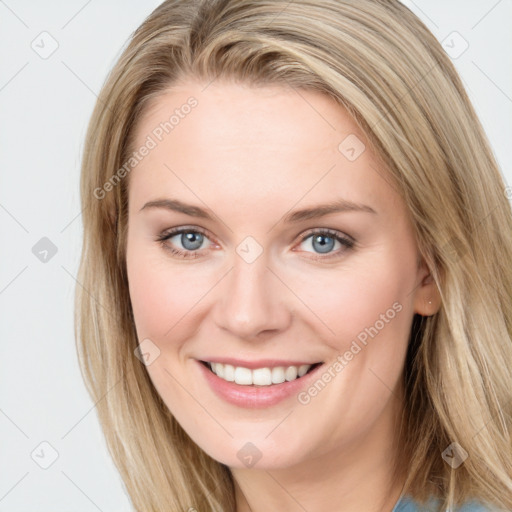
x=322, y=241
x=190, y=239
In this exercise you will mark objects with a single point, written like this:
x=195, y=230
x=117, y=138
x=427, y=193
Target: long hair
x=378, y=61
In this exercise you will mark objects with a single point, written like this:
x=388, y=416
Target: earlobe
x=427, y=300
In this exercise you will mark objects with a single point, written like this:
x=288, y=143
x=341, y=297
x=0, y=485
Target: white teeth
x=243, y=376
x=229, y=372
x=259, y=376
x=278, y=375
x=303, y=369
x=219, y=369
x=262, y=377
x=290, y=373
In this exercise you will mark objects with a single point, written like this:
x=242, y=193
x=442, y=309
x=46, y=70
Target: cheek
x=378, y=314
x=161, y=293
x=370, y=310
x=349, y=300
x=163, y=297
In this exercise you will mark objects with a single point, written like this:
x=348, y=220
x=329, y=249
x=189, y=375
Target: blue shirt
x=407, y=504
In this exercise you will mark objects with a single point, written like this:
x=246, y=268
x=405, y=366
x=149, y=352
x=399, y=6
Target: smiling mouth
x=259, y=376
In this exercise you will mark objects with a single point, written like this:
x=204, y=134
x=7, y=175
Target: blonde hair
x=381, y=63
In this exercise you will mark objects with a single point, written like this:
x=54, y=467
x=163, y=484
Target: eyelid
x=178, y=230
x=334, y=232
x=346, y=240
x=169, y=233
x=181, y=253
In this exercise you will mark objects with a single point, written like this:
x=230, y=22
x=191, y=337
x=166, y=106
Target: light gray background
x=45, y=104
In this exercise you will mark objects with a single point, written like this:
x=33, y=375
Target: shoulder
x=407, y=504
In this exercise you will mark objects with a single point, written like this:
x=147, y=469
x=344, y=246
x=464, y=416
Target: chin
x=255, y=450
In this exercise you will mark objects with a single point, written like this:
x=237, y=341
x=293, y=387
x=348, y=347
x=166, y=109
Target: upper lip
x=259, y=363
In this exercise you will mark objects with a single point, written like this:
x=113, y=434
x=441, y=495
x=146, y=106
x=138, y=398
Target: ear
x=427, y=299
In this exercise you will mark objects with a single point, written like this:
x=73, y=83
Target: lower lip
x=255, y=397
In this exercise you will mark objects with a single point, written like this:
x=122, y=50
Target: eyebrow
x=337, y=206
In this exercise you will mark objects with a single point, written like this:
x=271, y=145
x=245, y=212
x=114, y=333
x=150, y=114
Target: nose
x=253, y=301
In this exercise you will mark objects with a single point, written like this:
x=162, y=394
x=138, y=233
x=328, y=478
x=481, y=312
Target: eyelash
x=345, y=241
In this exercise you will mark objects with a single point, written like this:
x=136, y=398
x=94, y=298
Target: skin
x=251, y=155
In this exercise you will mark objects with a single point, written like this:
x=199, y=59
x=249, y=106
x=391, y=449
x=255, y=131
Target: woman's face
x=268, y=280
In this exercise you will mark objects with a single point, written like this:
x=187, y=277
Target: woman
x=296, y=291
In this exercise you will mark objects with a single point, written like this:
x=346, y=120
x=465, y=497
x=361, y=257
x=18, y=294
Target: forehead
x=236, y=142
